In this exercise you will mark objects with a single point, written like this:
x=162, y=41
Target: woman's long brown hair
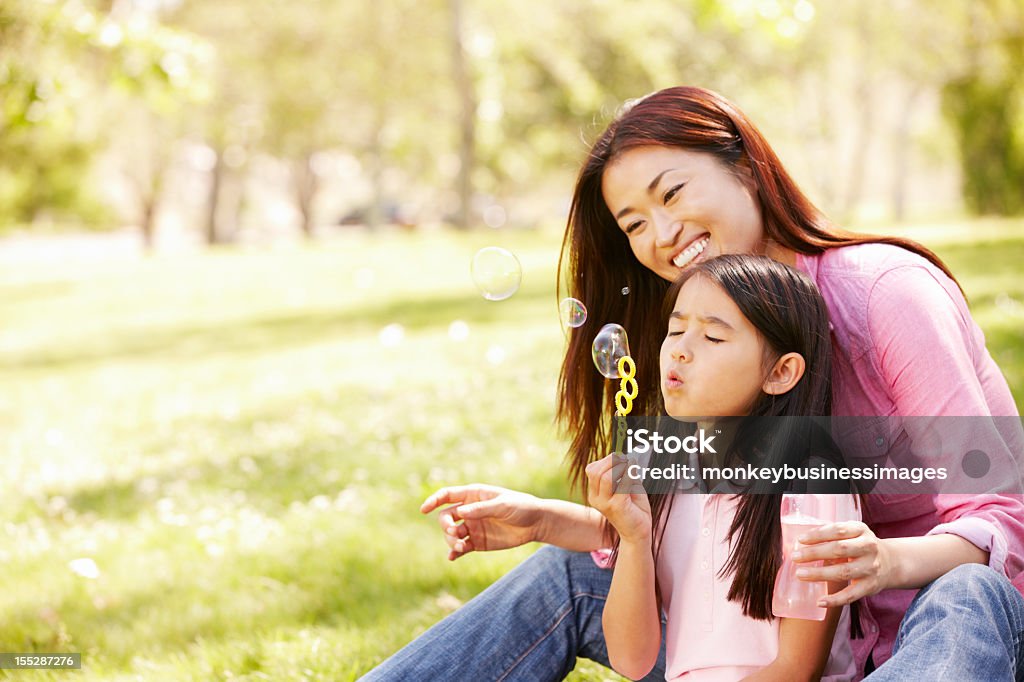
x=599, y=262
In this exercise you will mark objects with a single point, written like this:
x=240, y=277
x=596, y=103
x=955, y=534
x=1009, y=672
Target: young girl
x=746, y=336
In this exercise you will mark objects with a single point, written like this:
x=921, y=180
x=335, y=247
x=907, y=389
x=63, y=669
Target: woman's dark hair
x=789, y=313
x=599, y=261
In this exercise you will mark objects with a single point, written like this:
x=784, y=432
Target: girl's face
x=679, y=207
x=712, y=359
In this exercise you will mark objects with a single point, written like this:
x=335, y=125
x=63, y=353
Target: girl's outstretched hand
x=492, y=517
x=628, y=510
x=852, y=552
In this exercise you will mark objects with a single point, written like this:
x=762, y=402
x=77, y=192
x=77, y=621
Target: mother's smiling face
x=679, y=207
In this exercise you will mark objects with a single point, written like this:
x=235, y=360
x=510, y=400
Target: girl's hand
x=629, y=512
x=854, y=553
x=492, y=518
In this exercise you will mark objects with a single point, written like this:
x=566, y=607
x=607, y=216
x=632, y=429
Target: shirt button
x=874, y=628
x=706, y=532
x=879, y=441
x=704, y=565
x=707, y=595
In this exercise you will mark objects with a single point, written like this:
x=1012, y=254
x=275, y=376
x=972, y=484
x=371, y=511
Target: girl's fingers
x=597, y=468
x=596, y=472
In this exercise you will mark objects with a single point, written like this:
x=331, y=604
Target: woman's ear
x=784, y=375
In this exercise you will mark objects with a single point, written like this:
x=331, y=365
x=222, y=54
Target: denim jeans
x=529, y=625
x=965, y=625
x=533, y=623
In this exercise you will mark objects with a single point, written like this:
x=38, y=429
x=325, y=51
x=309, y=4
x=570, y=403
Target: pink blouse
x=904, y=344
x=708, y=639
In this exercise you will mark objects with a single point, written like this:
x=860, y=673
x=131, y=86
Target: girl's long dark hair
x=598, y=260
x=790, y=315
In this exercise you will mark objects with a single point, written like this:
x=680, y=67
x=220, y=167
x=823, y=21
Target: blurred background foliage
x=226, y=119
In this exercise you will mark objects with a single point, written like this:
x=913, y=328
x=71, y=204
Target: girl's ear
x=784, y=375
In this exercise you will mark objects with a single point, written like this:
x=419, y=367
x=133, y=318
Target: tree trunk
x=213, y=199
x=148, y=224
x=305, y=183
x=901, y=155
x=467, y=138
x=864, y=104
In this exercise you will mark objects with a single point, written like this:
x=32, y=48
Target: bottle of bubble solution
x=795, y=598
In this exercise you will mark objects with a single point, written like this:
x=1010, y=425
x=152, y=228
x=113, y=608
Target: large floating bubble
x=496, y=273
x=572, y=312
x=610, y=344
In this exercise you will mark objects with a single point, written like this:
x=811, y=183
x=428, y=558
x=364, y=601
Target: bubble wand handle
x=628, y=390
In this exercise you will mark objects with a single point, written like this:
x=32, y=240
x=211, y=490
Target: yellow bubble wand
x=628, y=390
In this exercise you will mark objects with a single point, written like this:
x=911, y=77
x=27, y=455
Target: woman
x=679, y=177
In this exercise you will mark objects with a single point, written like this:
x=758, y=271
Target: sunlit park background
x=239, y=341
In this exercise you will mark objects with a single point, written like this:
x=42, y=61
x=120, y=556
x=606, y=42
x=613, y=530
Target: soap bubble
x=496, y=273
x=391, y=335
x=625, y=291
x=572, y=312
x=458, y=331
x=496, y=355
x=610, y=345
x=84, y=567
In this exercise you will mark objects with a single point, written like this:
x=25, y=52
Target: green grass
x=226, y=436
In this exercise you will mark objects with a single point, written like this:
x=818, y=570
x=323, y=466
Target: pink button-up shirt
x=708, y=639
x=904, y=344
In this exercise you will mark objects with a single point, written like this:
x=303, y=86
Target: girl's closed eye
x=713, y=339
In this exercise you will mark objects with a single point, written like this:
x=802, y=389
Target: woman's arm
x=874, y=564
x=927, y=349
x=486, y=518
x=570, y=526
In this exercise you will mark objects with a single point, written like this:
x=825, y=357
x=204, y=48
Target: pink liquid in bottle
x=795, y=598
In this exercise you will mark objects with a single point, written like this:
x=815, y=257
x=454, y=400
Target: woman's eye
x=633, y=227
x=713, y=339
x=671, y=193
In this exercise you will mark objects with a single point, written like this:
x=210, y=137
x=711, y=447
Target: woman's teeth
x=691, y=252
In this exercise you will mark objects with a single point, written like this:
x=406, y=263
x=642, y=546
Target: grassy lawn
x=240, y=450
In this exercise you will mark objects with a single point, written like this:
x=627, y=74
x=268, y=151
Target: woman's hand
x=852, y=553
x=492, y=518
x=629, y=512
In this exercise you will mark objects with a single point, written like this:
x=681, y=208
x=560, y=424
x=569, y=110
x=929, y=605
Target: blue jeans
x=965, y=625
x=533, y=623
x=529, y=625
